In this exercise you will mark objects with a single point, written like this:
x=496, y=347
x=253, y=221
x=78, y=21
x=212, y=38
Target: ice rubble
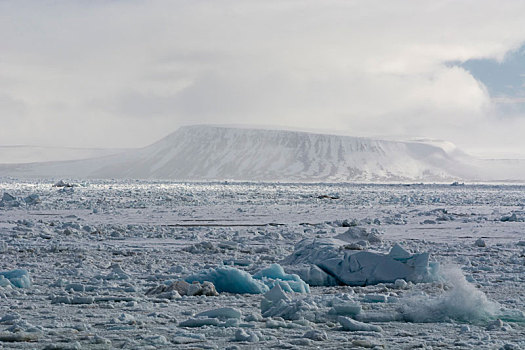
x=356, y=267
x=274, y=274
x=276, y=303
x=15, y=278
x=62, y=183
x=233, y=280
x=9, y=201
x=176, y=289
x=460, y=301
x=324, y=263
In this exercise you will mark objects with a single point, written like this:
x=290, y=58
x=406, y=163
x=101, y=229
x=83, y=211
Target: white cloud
x=138, y=69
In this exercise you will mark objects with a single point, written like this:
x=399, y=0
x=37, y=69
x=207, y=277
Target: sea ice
x=9, y=201
x=233, y=280
x=221, y=313
x=360, y=268
x=313, y=275
x=480, y=242
x=345, y=308
x=17, y=278
x=275, y=274
x=62, y=183
x=32, y=199
x=276, y=303
x=176, y=289
x=247, y=336
x=356, y=234
x=230, y=279
x=199, y=322
x=117, y=273
x=316, y=335
x=353, y=325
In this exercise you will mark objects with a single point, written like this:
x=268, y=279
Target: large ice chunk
x=9, y=201
x=17, y=278
x=359, y=268
x=276, y=303
x=355, y=234
x=230, y=279
x=274, y=274
x=313, y=275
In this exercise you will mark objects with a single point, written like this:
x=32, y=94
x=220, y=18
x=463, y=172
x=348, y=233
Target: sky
x=124, y=73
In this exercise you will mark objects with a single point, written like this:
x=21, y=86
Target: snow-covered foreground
x=108, y=266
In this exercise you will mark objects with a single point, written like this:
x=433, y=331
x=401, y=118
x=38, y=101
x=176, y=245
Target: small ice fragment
x=464, y=328
x=375, y=298
x=62, y=183
x=400, y=284
x=495, y=325
x=199, y=322
x=353, y=325
x=221, y=313
x=480, y=243
x=346, y=309
x=316, y=335
x=398, y=253
x=242, y=335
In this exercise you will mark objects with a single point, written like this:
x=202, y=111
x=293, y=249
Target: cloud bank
x=125, y=73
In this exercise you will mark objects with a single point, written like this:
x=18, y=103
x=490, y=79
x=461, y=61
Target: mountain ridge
x=209, y=153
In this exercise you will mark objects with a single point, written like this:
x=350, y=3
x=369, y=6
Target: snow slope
x=220, y=153
x=31, y=154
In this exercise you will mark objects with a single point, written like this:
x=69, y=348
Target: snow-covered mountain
x=221, y=153
x=209, y=153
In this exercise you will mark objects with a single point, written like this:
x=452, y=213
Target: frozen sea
x=100, y=254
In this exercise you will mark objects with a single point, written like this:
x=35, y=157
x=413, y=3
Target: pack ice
x=162, y=265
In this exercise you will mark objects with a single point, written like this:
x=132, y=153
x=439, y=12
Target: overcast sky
x=124, y=73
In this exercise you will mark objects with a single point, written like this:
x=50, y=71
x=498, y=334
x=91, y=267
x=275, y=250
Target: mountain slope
x=220, y=153
x=213, y=153
x=31, y=154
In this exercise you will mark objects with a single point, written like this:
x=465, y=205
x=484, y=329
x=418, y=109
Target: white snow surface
x=32, y=154
x=108, y=260
x=208, y=153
